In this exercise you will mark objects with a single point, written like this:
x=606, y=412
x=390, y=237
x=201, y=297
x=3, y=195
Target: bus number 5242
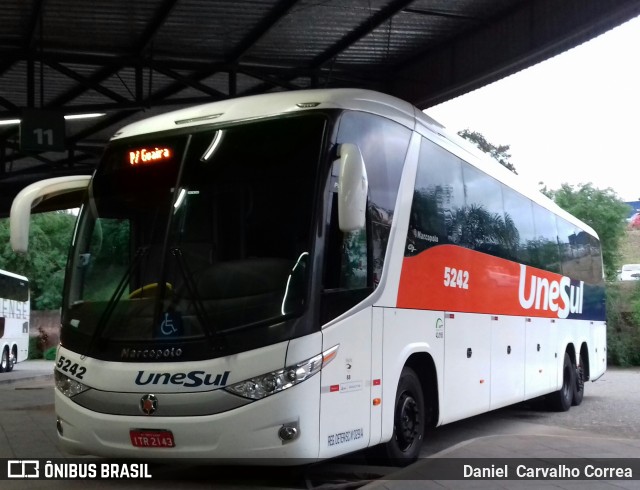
x=456, y=278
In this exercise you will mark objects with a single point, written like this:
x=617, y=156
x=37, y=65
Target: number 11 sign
x=42, y=130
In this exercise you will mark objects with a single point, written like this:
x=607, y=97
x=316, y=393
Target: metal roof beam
x=186, y=81
x=162, y=14
x=273, y=81
x=86, y=82
x=9, y=105
x=95, y=79
x=29, y=39
x=105, y=72
x=365, y=28
x=520, y=37
x=259, y=30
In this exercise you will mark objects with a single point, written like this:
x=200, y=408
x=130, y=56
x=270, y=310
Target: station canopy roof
x=130, y=59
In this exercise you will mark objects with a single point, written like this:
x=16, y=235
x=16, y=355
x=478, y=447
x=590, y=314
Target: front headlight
x=267, y=384
x=68, y=387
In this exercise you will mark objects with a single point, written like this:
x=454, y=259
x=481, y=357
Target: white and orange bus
x=307, y=274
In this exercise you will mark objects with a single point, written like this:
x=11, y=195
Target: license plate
x=151, y=438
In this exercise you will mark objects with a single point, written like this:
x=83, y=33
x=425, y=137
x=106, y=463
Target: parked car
x=629, y=272
x=634, y=222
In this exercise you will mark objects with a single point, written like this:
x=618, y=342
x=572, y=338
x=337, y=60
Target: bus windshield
x=195, y=234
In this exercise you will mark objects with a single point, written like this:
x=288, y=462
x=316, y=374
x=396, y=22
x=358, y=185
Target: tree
x=602, y=210
x=44, y=263
x=499, y=153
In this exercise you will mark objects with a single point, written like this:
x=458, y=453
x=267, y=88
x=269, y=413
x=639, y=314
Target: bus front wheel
x=408, y=420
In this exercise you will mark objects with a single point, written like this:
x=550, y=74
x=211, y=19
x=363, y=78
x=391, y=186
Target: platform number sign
x=42, y=131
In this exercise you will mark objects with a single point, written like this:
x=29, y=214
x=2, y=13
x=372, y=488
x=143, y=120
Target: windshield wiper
x=215, y=341
x=115, y=297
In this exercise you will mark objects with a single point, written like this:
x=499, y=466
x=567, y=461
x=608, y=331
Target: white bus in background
x=296, y=276
x=14, y=320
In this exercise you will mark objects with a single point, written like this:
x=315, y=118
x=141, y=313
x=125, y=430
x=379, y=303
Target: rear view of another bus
x=14, y=319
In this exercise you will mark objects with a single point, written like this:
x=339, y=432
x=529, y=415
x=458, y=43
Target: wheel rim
x=5, y=360
x=407, y=422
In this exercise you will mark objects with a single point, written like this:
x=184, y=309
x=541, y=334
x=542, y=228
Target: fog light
x=59, y=426
x=288, y=433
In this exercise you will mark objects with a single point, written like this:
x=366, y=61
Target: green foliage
x=50, y=354
x=499, y=153
x=34, y=348
x=603, y=211
x=623, y=331
x=49, y=238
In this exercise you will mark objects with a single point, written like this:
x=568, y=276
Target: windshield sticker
x=170, y=325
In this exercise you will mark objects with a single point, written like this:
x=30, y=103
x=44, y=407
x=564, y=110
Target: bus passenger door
x=467, y=365
x=346, y=386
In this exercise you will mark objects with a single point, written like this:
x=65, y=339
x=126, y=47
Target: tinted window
x=438, y=199
x=13, y=288
x=519, y=212
x=481, y=223
x=456, y=203
x=544, y=247
x=354, y=261
x=383, y=144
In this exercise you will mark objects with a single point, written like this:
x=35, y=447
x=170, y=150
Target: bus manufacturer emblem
x=149, y=404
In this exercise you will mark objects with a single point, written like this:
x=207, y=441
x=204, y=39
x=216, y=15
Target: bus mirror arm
x=352, y=188
x=30, y=197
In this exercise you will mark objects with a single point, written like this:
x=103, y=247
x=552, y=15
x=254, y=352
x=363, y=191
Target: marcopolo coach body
x=300, y=275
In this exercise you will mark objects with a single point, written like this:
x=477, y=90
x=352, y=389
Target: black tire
x=408, y=421
x=4, y=361
x=560, y=401
x=12, y=362
x=578, y=385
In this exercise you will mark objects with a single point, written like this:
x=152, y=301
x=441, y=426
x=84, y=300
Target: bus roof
x=265, y=105
x=11, y=274
x=290, y=102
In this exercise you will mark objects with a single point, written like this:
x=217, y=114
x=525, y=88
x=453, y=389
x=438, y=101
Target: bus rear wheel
x=408, y=420
x=560, y=401
x=13, y=358
x=4, y=361
x=578, y=385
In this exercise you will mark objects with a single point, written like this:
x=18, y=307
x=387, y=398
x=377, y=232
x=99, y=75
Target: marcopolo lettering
x=558, y=296
x=151, y=354
x=191, y=379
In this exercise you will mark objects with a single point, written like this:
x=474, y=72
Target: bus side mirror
x=36, y=193
x=353, y=186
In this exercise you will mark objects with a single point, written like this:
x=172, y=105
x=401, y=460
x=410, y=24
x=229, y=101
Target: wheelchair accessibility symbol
x=171, y=324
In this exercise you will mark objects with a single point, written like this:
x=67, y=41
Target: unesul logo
x=545, y=294
x=191, y=379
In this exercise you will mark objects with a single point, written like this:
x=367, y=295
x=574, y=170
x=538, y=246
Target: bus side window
x=346, y=256
x=354, y=261
x=346, y=270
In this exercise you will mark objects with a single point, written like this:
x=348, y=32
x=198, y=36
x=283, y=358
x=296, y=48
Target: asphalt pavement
x=34, y=369
x=535, y=446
